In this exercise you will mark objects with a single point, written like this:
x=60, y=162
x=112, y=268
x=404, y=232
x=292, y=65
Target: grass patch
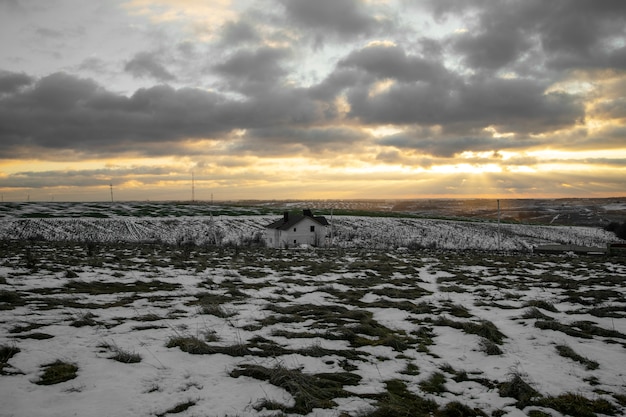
x=544, y=305
x=309, y=391
x=456, y=409
x=535, y=313
x=148, y=317
x=57, y=372
x=459, y=311
x=216, y=310
x=399, y=401
x=6, y=353
x=190, y=344
x=10, y=299
x=519, y=389
x=621, y=399
x=582, y=329
x=609, y=311
x=411, y=369
x=120, y=354
x=196, y=346
x=555, y=325
x=434, y=384
x=25, y=328
x=114, y=287
x=484, y=328
x=86, y=319
x=35, y=336
x=126, y=356
x=489, y=347
x=178, y=408
x=577, y=405
x=568, y=352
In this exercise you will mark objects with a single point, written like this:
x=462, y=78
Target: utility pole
x=111, y=187
x=498, y=224
x=193, y=188
x=332, y=225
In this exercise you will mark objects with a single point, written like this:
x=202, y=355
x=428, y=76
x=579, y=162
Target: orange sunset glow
x=295, y=99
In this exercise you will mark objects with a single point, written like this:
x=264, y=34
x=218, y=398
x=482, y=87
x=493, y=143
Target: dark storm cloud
x=274, y=140
x=494, y=46
x=568, y=33
x=64, y=113
x=335, y=83
x=145, y=64
x=345, y=18
x=392, y=62
x=427, y=94
x=252, y=69
x=444, y=92
x=10, y=82
x=578, y=33
x=430, y=143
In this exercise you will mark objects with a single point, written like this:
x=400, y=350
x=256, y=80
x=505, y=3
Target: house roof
x=294, y=219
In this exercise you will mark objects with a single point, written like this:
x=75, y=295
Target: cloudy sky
x=311, y=99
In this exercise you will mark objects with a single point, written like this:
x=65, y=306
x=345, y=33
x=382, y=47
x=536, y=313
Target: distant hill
x=201, y=224
x=596, y=212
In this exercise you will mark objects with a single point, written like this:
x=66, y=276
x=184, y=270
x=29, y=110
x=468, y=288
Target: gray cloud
x=145, y=64
x=238, y=32
x=61, y=111
x=10, y=82
x=568, y=33
x=249, y=70
x=495, y=45
x=345, y=18
x=88, y=177
x=392, y=62
x=274, y=140
x=443, y=92
x=430, y=143
x=508, y=104
x=64, y=113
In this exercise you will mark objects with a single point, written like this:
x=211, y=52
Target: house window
x=294, y=229
x=312, y=228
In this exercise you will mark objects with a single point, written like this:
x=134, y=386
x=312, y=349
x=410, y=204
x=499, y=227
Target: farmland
x=203, y=225
x=152, y=320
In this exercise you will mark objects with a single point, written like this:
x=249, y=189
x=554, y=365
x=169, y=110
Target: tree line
x=617, y=228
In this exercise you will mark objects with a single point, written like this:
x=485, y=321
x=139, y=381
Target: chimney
x=285, y=216
x=307, y=213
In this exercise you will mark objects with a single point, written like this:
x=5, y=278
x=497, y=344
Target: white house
x=296, y=229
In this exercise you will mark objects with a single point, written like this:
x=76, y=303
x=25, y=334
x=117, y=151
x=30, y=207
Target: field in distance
x=570, y=212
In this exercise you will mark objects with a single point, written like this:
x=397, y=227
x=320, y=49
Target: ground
x=119, y=329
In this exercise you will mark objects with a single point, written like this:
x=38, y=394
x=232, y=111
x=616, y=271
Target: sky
x=300, y=99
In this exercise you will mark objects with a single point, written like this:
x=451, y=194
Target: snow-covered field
x=232, y=331
x=162, y=309
x=347, y=231
x=221, y=225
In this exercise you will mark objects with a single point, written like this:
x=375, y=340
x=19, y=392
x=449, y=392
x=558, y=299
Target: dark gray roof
x=294, y=219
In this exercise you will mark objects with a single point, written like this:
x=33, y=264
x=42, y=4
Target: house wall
x=302, y=235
